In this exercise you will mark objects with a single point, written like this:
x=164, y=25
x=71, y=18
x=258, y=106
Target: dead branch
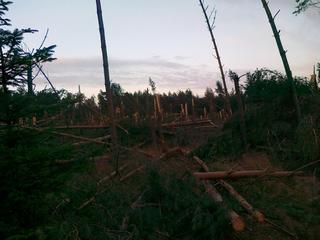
x=111, y=175
x=123, y=129
x=131, y=173
x=282, y=229
x=86, y=203
x=243, y=174
x=82, y=127
x=237, y=222
x=186, y=123
x=305, y=166
x=68, y=135
x=133, y=206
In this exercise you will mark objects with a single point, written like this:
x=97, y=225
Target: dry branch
x=132, y=173
x=186, y=123
x=133, y=206
x=82, y=127
x=243, y=174
x=68, y=135
x=111, y=175
x=282, y=229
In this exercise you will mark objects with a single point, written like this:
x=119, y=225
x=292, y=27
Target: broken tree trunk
x=210, y=28
x=243, y=174
x=236, y=221
x=244, y=203
x=106, y=74
x=276, y=34
x=236, y=80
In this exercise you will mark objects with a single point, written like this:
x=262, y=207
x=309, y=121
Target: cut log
x=244, y=203
x=243, y=174
x=237, y=222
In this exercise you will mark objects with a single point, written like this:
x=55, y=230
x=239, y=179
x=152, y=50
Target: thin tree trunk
x=227, y=97
x=283, y=57
x=241, y=113
x=29, y=80
x=106, y=74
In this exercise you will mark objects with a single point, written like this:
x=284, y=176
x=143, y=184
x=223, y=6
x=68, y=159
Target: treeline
x=261, y=86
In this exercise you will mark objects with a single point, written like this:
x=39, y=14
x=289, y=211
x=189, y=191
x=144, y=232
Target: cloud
x=131, y=74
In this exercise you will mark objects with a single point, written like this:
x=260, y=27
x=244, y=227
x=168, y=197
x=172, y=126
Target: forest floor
x=291, y=204
x=148, y=192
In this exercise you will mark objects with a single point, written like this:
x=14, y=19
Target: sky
x=166, y=40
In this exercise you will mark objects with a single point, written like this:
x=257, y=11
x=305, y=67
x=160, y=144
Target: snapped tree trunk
x=283, y=55
x=210, y=28
x=106, y=73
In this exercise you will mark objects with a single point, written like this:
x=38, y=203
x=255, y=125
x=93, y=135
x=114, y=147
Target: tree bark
x=237, y=222
x=106, y=74
x=227, y=97
x=241, y=113
x=29, y=80
x=244, y=203
x=283, y=55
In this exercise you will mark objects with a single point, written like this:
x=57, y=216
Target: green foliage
x=29, y=179
x=15, y=61
x=303, y=5
x=181, y=212
x=227, y=144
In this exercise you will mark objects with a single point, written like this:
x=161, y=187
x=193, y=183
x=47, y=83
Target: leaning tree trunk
x=227, y=97
x=283, y=55
x=106, y=74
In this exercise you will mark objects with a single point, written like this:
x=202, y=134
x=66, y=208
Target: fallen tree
x=243, y=174
x=237, y=222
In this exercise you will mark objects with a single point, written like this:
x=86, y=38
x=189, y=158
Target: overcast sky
x=164, y=39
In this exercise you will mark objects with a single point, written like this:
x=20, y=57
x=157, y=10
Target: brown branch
x=243, y=174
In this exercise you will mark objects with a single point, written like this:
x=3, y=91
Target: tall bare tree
x=283, y=55
x=210, y=20
x=106, y=73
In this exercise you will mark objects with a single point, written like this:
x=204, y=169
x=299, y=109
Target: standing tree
x=106, y=73
x=15, y=63
x=283, y=55
x=210, y=20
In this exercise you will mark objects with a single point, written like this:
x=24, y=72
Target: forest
x=239, y=162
